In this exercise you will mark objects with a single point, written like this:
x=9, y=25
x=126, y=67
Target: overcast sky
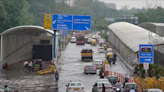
x=134, y=3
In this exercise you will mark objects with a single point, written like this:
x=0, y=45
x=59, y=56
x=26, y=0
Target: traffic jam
x=107, y=80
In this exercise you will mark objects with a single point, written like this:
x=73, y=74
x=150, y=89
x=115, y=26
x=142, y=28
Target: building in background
x=69, y=2
x=127, y=18
x=111, y=5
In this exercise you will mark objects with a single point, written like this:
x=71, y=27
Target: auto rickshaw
x=110, y=54
x=87, y=55
x=105, y=46
x=109, y=50
x=94, y=42
x=86, y=38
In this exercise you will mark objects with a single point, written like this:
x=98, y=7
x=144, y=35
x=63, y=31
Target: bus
x=80, y=39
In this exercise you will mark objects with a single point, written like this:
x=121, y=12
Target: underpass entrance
x=43, y=52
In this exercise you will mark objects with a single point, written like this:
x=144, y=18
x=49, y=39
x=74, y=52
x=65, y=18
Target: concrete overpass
x=23, y=42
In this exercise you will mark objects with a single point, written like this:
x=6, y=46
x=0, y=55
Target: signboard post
x=47, y=21
x=68, y=22
x=146, y=54
x=146, y=66
x=71, y=22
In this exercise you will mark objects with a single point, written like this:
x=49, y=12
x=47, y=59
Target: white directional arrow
x=86, y=28
x=147, y=59
x=54, y=22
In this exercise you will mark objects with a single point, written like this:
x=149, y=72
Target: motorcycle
x=102, y=75
x=118, y=89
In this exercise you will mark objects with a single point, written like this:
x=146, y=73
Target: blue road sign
x=61, y=22
x=82, y=23
x=64, y=32
x=146, y=54
x=71, y=22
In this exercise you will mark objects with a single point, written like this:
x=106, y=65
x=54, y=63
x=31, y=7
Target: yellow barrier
x=47, y=71
x=155, y=82
x=161, y=83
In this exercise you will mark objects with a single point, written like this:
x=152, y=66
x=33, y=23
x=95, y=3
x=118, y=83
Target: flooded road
x=72, y=69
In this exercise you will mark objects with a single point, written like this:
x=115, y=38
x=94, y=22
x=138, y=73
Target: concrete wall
x=16, y=48
x=36, y=39
x=126, y=53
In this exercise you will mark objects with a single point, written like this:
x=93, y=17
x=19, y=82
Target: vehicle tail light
x=117, y=81
x=82, y=88
x=95, y=68
x=99, y=87
x=111, y=87
x=86, y=68
x=101, y=64
x=125, y=89
x=70, y=88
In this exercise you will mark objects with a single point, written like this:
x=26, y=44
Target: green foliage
x=151, y=15
x=14, y=13
x=105, y=36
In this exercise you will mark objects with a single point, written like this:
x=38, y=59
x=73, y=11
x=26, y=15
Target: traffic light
x=102, y=28
x=95, y=22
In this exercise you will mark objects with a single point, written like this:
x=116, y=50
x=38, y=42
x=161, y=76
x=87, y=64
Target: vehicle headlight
x=117, y=89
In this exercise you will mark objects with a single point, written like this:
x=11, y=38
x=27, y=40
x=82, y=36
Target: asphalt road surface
x=73, y=67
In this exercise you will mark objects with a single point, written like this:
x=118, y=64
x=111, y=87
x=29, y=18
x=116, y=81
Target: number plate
x=76, y=88
x=106, y=88
x=97, y=64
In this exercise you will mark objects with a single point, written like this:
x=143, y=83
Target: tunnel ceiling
x=26, y=30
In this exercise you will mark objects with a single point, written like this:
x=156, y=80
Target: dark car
x=129, y=86
x=113, y=80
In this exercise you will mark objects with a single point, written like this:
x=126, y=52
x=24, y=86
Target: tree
x=14, y=13
x=2, y=16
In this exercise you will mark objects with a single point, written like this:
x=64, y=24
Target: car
x=97, y=87
x=98, y=63
x=153, y=90
x=89, y=40
x=75, y=86
x=113, y=80
x=90, y=69
x=101, y=50
x=129, y=86
x=73, y=40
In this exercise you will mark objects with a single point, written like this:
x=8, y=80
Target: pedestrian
x=42, y=67
x=26, y=65
x=56, y=75
x=51, y=62
x=33, y=66
x=30, y=66
x=6, y=89
x=132, y=90
x=6, y=66
x=103, y=87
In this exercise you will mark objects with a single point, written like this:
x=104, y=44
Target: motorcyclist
x=119, y=85
x=114, y=58
x=101, y=73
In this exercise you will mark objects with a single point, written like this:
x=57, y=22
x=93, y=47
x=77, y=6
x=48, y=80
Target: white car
x=97, y=87
x=153, y=90
x=98, y=63
x=73, y=40
x=75, y=86
x=101, y=50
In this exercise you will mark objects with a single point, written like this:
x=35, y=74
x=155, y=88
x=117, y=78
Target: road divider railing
x=120, y=76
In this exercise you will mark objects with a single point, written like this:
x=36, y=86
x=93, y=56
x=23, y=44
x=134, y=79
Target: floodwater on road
x=72, y=69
